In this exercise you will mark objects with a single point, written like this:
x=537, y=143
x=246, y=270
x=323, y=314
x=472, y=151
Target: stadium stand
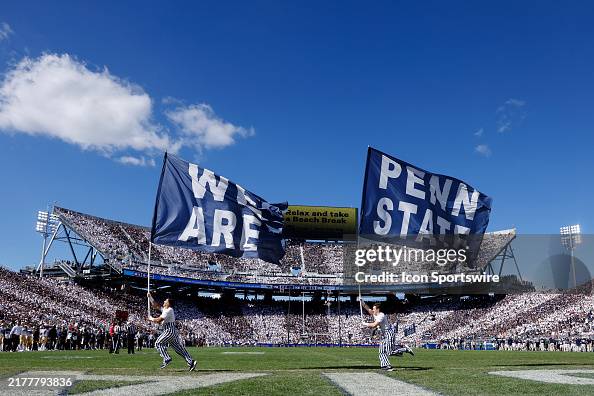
x=59, y=313
x=309, y=263
x=82, y=317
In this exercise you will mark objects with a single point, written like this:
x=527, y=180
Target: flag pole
x=360, y=304
x=148, y=280
x=152, y=234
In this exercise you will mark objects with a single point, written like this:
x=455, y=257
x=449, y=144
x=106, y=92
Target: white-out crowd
x=126, y=245
x=49, y=313
x=59, y=314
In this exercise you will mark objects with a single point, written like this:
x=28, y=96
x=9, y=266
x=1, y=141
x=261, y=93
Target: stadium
x=296, y=198
x=273, y=316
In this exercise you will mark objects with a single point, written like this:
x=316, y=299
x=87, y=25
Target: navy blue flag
x=400, y=199
x=199, y=210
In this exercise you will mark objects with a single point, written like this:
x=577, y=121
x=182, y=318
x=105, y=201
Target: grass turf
x=297, y=371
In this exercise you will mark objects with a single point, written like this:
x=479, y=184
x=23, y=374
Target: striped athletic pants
x=385, y=347
x=171, y=337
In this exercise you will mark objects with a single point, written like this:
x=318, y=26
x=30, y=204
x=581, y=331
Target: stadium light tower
x=47, y=224
x=571, y=236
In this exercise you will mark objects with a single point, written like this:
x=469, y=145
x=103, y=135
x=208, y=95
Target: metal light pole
x=288, y=319
x=339, y=322
x=570, y=238
x=303, y=314
x=47, y=223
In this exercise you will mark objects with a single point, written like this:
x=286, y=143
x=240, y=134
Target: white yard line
x=370, y=383
x=152, y=385
x=552, y=376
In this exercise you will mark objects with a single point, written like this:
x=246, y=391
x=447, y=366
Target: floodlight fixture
x=570, y=238
x=47, y=224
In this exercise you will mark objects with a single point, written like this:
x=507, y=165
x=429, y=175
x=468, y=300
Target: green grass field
x=298, y=371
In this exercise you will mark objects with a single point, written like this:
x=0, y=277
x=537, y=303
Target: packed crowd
x=543, y=344
x=129, y=244
x=52, y=314
x=67, y=315
x=248, y=277
x=20, y=336
x=303, y=263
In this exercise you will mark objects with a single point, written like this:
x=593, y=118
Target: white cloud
x=137, y=161
x=60, y=97
x=483, y=150
x=510, y=114
x=5, y=31
x=201, y=127
x=479, y=132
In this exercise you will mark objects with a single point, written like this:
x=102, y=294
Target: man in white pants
x=380, y=322
x=170, y=335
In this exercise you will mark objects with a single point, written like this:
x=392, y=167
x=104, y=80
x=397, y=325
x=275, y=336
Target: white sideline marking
x=243, y=353
x=551, y=376
x=366, y=384
x=153, y=385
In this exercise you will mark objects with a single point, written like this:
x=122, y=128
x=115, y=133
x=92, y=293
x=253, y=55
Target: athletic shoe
x=388, y=368
x=165, y=363
x=397, y=353
x=193, y=365
x=409, y=350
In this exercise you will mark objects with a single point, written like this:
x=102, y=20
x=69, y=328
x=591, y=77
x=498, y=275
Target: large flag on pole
x=200, y=210
x=400, y=199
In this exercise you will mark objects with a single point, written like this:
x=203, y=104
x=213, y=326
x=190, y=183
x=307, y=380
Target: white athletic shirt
x=168, y=315
x=383, y=321
x=16, y=330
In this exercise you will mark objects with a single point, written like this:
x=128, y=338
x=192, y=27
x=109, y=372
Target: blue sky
x=285, y=98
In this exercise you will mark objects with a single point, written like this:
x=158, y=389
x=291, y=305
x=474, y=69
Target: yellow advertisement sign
x=320, y=222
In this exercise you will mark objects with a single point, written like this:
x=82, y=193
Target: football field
x=300, y=371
